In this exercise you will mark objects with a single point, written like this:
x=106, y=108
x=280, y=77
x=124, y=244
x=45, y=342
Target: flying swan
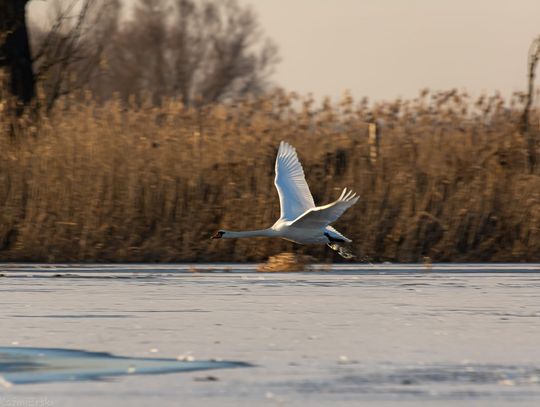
x=301, y=221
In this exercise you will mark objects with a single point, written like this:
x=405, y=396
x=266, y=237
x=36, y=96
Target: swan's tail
x=342, y=250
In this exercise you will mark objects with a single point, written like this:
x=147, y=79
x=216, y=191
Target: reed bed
x=109, y=182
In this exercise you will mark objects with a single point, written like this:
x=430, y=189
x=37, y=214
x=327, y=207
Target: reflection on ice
x=20, y=365
x=427, y=382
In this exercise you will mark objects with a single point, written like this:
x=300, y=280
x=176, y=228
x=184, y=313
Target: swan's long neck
x=250, y=233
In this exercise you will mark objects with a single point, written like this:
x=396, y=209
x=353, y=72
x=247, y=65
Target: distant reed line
x=449, y=179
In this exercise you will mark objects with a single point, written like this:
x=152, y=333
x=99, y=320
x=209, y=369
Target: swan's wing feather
x=322, y=216
x=294, y=195
x=337, y=234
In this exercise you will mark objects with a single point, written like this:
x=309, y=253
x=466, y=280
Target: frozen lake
x=377, y=335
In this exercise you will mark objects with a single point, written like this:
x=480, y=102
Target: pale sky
x=389, y=48
x=384, y=49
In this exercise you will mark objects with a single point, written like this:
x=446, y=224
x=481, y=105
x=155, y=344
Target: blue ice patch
x=19, y=365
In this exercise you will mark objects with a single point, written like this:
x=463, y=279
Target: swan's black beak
x=218, y=235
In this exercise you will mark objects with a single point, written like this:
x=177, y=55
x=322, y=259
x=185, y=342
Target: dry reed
x=108, y=182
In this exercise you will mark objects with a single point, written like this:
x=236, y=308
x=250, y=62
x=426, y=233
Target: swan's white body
x=300, y=221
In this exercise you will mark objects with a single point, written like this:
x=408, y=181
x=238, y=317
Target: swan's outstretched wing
x=294, y=195
x=322, y=216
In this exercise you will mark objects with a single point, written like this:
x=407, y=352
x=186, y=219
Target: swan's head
x=218, y=235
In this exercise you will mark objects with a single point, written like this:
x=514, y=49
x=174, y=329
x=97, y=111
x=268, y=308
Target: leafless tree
x=69, y=53
x=16, y=74
x=532, y=136
x=200, y=51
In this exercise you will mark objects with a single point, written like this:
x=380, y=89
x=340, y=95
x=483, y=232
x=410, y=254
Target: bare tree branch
x=200, y=51
x=532, y=136
x=69, y=53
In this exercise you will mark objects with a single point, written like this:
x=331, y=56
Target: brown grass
x=107, y=182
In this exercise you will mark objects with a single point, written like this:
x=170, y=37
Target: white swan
x=301, y=221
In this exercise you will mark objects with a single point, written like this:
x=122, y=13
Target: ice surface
x=384, y=335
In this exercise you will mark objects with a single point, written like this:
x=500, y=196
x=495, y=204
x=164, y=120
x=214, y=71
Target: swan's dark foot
x=343, y=251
